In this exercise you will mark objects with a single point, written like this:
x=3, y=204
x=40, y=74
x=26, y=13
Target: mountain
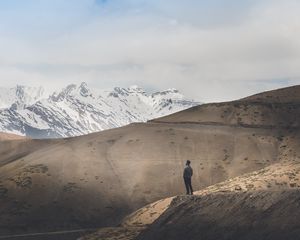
x=20, y=96
x=79, y=110
x=97, y=179
x=259, y=203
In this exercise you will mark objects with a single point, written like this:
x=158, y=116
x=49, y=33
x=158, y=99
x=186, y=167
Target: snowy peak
x=117, y=92
x=72, y=90
x=20, y=96
x=84, y=90
x=79, y=109
x=136, y=89
x=170, y=93
x=60, y=96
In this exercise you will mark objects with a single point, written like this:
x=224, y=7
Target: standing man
x=187, y=176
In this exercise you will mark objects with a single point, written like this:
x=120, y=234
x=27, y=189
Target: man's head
x=188, y=162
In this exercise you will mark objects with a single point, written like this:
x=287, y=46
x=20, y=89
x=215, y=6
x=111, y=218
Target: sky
x=216, y=50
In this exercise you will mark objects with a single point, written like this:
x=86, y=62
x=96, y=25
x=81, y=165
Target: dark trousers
x=188, y=185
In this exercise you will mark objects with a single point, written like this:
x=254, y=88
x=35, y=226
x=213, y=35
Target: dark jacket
x=187, y=172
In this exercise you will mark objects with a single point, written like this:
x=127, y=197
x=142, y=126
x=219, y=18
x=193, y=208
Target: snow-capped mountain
x=20, y=96
x=77, y=110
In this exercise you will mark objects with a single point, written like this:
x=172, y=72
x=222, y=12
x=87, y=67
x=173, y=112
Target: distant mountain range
x=77, y=109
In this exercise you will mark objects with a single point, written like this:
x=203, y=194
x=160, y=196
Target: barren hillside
x=260, y=205
x=97, y=179
x=8, y=136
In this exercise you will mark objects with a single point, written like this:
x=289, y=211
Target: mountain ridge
x=78, y=110
x=118, y=171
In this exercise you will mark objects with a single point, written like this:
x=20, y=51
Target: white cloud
x=233, y=48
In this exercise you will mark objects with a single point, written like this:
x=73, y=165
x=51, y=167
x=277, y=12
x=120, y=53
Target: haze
x=210, y=50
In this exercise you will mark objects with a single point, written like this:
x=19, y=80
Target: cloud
x=211, y=50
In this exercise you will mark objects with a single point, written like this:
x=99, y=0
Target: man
x=187, y=176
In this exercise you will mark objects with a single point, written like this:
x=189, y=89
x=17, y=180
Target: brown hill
x=273, y=109
x=97, y=179
x=250, y=215
x=258, y=205
x=283, y=95
x=9, y=136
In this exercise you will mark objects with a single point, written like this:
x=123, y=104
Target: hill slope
x=259, y=205
x=274, y=109
x=7, y=136
x=118, y=171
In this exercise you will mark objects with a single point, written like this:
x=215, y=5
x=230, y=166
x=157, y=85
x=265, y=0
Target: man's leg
x=186, y=185
x=190, y=186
